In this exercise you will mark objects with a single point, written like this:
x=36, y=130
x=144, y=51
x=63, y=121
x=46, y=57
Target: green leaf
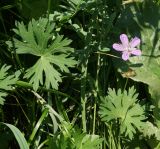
x=6, y=82
x=150, y=130
x=53, y=52
x=85, y=141
x=123, y=106
x=73, y=138
x=90, y=141
x=38, y=124
x=19, y=136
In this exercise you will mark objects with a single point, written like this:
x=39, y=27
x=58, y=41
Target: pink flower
x=127, y=48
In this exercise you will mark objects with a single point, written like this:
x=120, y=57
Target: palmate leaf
x=123, y=106
x=37, y=40
x=6, y=82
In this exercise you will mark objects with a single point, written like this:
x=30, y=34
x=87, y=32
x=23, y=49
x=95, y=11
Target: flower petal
x=118, y=47
x=135, y=42
x=124, y=40
x=125, y=56
x=136, y=52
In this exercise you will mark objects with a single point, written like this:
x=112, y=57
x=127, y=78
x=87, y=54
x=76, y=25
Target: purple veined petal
x=118, y=47
x=135, y=42
x=124, y=40
x=136, y=52
x=125, y=55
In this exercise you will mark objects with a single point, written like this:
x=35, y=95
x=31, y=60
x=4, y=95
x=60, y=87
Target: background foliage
x=63, y=86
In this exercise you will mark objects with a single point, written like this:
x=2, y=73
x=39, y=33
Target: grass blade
x=18, y=135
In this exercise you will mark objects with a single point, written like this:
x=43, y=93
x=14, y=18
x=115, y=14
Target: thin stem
x=107, y=54
x=119, y=133
x=22, y=109
x=130, y=1
x=119, y=140
x=97, y=90
x=83, y=85
x=43, y=102
x=112, y=141
x=83, y=95
x=94, y=117
x=84, y=115
x=97, y=79
x=44, y=114
x=125, y=85
x=43, y=143
x=30, y=86
x=49, y=7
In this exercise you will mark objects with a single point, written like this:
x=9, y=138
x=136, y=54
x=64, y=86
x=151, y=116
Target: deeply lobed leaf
x=123, y=106
x=53, y=55
x=6, y=82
